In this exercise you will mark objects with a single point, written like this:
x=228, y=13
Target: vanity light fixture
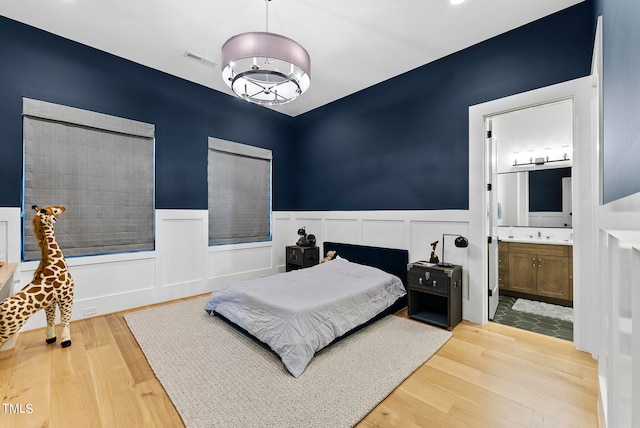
x=543, y=156
x=265, y=68
x=541, y=160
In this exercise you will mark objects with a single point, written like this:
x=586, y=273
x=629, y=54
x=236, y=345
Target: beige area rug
x=544, y=309
x=218, y=377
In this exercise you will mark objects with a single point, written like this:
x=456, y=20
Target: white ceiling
x=353, y=44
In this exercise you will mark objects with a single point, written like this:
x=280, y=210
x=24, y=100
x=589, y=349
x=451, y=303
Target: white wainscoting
x=103, y=284
x=4, y=226
x=410, y=230
x=183, y=264
x=180, y=244
x=617, y=270
x=10, y=233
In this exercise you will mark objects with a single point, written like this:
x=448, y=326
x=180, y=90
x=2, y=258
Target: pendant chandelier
x=265, y=68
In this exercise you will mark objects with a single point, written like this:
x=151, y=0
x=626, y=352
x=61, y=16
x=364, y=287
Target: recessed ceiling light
x=456, y=1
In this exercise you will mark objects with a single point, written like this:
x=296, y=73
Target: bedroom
x=383, y=204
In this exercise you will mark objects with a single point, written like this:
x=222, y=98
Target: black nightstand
x=435, y=294
x=301, y=257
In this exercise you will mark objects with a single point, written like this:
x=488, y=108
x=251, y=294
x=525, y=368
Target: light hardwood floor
x=485, y=376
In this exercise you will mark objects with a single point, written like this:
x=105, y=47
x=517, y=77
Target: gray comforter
x=299, y=312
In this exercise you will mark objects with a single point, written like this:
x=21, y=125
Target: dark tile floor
x=539, y=324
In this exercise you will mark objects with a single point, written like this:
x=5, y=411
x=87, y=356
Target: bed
x=300, y=312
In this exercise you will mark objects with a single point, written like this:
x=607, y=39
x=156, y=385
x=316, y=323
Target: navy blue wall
x=403, y=144
x=621, y=97
x=39, y=65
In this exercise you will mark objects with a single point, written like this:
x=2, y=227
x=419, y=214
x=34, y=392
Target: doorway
x=529, y=164
x=476, y=308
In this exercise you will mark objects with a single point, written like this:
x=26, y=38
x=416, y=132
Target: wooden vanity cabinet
x=503, y=265
x=544, y=270
x=523, y=272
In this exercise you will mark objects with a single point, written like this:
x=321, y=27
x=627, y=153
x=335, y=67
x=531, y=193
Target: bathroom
x=533, y=216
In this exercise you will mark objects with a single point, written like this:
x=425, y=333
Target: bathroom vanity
x=537, y=270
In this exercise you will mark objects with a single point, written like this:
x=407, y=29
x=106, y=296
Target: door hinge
x=488, y=187
x=490, y=292
x=489, y=239
x=488, y=134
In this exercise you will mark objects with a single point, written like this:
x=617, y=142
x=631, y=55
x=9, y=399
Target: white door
x=492, y=220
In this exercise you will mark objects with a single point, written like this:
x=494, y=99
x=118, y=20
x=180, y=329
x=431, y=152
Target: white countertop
x=542, y=240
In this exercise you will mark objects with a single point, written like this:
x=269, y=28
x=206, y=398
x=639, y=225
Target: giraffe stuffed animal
x=51, y=285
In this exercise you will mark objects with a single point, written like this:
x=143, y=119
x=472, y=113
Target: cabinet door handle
x=534, y=262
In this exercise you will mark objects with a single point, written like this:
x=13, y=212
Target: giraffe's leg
x=12, y=318
x=51, y=323
x=65, y=317
x=5, y=334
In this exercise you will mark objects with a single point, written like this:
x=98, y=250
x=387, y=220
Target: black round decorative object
x=303, y=240
x=461, y=242
x=311, y=239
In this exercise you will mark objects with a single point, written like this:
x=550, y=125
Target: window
x=100, y=167
x=239, y=193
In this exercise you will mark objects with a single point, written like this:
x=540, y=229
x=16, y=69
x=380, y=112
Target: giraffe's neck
x=50, y=245
x=51, y=253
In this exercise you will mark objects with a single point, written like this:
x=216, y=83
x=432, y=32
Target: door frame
x=581, y=92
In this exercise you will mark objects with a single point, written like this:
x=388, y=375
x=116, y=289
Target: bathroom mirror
x=535, y=198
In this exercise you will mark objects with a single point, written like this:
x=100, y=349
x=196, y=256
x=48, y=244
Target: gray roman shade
x=239, y=193
x=100, y=167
